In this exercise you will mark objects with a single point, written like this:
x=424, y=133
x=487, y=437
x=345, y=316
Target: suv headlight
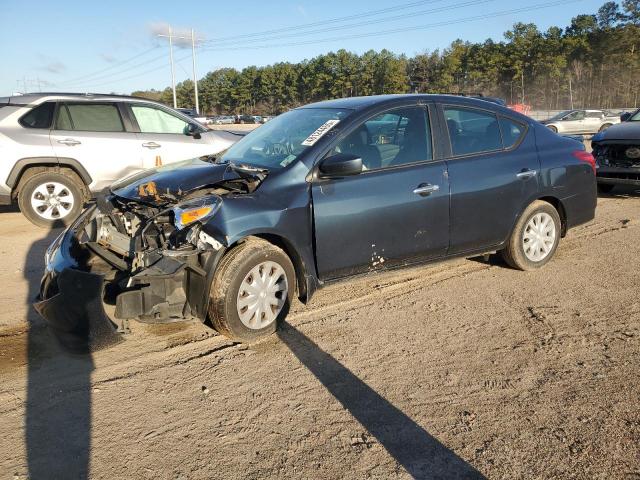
x=195, y=210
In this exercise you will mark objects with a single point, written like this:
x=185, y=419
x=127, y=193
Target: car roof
x=38, y=97
x=363, y=103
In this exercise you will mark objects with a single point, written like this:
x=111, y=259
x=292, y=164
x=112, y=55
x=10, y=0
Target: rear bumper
x=71, y=296
x=618, y=176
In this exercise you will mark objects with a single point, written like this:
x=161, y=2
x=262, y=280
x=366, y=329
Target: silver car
x=57, y=149
x=585, y=122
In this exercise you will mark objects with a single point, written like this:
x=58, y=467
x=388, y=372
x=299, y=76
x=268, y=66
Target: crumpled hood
x=620, y=131
x=169, y=183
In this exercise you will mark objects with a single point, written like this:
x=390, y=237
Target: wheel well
x=557, y=204
x=296, y=260
x=28, y=171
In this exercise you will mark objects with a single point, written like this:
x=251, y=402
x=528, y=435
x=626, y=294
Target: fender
x=24, y=163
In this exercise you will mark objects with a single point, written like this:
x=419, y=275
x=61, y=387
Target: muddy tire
x=51, y=199
x=535, y=238
x=252, y=291
x=605, y=187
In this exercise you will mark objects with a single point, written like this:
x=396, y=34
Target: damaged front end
x=619, y=163
x=142, y=252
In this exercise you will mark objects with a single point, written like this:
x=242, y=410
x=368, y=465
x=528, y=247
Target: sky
x=112, y=45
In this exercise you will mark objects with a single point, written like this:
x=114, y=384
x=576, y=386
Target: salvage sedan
x=316, y=195
x=617, y=153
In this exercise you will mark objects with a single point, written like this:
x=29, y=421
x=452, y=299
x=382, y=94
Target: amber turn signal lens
x=190, y=216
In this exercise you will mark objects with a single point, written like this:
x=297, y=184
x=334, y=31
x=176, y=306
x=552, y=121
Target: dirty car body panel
x=152, y=242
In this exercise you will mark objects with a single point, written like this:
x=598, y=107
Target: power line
x=115, y=65
x=380, y=20
x=402, y=29
x=325, y=22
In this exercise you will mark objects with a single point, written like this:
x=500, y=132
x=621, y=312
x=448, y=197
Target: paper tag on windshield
x=320, y=132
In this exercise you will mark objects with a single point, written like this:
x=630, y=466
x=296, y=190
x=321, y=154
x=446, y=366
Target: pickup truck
x=584, y=122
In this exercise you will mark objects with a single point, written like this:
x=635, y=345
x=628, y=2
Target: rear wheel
x=553, y=129
x=252, y=291
x=51, y=199
x=604, y=127
x=535, y=238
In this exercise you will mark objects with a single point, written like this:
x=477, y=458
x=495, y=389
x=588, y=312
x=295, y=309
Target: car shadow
x=421, y=454
x=622, y=191
x=58, y=406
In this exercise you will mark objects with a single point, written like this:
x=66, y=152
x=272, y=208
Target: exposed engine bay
x=618, y=155
x=150, y=246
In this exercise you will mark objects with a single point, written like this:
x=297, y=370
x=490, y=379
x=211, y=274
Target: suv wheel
x=51, y=199
x=252, y=290
x=535, y=238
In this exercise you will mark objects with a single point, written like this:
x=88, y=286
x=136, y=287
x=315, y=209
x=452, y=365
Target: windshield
x=561, y=115
x=635, y=117
x=284, y=139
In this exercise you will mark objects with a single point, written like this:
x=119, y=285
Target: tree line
x=593, y=62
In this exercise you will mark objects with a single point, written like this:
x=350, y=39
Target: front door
x=94, y=135
x=493, y=173
x=396, y=211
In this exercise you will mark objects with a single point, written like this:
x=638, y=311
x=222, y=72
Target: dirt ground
x=466, y=369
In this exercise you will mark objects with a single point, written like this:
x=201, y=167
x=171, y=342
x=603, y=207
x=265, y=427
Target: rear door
x=162, y=135
x=94, y=134
x=493, y=173
x=396, y=211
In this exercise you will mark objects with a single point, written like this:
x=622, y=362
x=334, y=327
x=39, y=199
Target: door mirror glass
x=340, y=165
x=192, y=130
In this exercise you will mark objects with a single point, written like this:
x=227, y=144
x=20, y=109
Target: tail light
x=586, y=157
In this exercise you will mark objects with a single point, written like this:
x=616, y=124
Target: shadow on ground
x=58, y=410
x=421, y=455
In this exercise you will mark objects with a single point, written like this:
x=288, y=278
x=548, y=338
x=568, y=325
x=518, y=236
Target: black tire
x=604, y=127
x=514, y=253
x=553, y=129
x=73, y=192
x=605, y=187
x=231, y=272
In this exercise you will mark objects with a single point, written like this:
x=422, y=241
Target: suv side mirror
x=340, y=165
x=625, y=116
x=192, y=130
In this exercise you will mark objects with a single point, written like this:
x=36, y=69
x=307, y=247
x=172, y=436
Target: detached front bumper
x=71, y=295
x=618, y=175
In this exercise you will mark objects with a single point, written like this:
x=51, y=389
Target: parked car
x=223, y=120
x=59, y=149
x=585, y=122
x=192, y=113
x=245, y=119
x=617, y=153
x=322, y=193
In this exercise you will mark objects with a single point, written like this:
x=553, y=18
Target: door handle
x=151, y=145
x=69, y=141
x=526, y=174
x=426, y=189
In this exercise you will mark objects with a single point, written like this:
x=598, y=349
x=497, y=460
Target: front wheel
x=553, y=129
x=535, y=238
x=604, y=127
x=251, y=291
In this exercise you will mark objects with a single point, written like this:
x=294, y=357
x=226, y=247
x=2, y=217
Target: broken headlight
x=195, y=210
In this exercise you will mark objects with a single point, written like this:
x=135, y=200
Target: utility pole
x=193, y=39
x=195, y=77
x=173, y=72
x=570, y=92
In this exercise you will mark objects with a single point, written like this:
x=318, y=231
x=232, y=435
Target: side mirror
x=192, y=130
x=340, y=165
x=625, y=116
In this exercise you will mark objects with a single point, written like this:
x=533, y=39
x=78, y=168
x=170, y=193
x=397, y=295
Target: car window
x=39, y=117
x=154, y=120
x=89, y=117
x=393, y=138
x=512, y=132
x=472, y=131
x=576, y=115
x=594, y=115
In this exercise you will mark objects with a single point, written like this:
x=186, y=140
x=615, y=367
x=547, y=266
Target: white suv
x=56, y=149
